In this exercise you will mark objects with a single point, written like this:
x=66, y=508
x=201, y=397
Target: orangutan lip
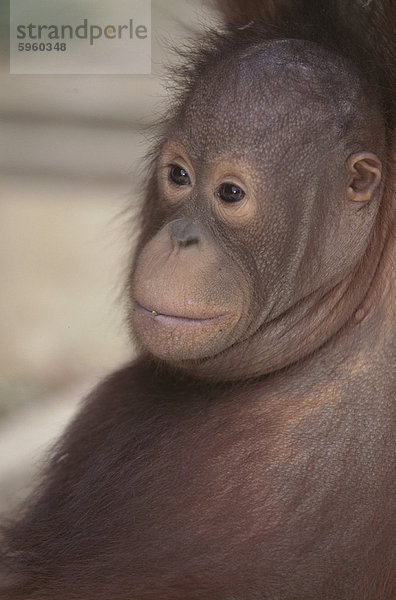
x=166, y=318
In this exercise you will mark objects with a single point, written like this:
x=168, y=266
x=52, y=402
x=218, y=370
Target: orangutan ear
x=365, y=171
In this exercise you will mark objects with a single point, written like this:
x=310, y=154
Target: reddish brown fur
x=226, y=477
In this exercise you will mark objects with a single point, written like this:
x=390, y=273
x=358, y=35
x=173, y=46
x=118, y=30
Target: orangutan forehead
x=270, y=90
x=282, y=90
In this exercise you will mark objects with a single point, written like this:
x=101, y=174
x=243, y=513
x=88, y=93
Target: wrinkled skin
x=279, y=260
x=249, y=453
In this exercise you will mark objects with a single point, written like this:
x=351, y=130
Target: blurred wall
x=70, y=151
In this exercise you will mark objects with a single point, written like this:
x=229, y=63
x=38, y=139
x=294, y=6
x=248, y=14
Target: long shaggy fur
x=101, y=450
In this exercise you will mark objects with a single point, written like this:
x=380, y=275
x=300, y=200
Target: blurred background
x=71, y=151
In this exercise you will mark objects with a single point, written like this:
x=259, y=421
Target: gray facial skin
x=284, y=266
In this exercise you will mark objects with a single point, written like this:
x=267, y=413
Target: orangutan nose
x=183, y=233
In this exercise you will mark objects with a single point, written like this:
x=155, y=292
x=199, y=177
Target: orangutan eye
x=228, y=192
x=178, y=175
